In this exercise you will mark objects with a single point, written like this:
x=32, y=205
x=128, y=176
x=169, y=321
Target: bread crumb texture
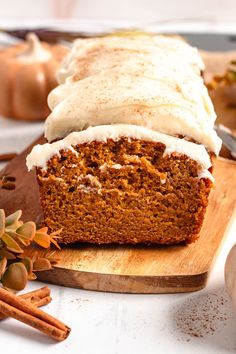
x=124, y=191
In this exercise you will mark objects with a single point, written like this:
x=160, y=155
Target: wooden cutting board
x=132, y=269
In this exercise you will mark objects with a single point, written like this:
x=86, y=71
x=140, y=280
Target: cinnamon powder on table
x=202, y=315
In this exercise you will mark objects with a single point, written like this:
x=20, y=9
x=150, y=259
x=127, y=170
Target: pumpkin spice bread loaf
x=131, y=143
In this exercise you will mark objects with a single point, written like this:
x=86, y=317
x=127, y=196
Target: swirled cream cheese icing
x=149, y=81
x=40, y=154
x=99, y=53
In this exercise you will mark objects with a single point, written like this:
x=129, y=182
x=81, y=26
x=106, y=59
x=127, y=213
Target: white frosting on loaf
x=95, y=54
x=40, y=154
x=151, y=81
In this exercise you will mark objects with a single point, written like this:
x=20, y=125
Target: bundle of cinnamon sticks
x=24, y=308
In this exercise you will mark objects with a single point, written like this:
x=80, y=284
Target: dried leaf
x=52, y=240
x=32, y=276
x=15, y=277
x=7, y=254
x=18, y=238
x=3, y=264
x=23, y=241
x=54, y=236
x=14, y=227
x=28, y=263
x=56, y=233
x=2, y=221
x=43, y=230
x=11, y=219
x=15, y=236
x=11, y=244
x=42, y=239
x=27, y=230
x=50, y=254
x=41, y=264
x=53, y=257
x=232, y=75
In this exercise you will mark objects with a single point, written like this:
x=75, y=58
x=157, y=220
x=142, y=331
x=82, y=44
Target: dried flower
x=15, y=236
x=228, y=78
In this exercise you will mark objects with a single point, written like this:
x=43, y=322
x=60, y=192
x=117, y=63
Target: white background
x=161, y=10
x=119, y=323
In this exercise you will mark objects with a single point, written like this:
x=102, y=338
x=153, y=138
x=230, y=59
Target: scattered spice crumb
x=202, y=316
x=79, y=301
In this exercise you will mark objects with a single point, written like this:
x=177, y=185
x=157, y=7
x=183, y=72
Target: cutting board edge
x=131, y=284
x=143, y=284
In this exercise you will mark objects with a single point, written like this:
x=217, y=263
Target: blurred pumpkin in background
x=27, y=75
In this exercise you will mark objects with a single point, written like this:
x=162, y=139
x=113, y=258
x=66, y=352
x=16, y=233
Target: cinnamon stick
x=18, y=308
x=38, y=298
x=7, y=156
x=40, y=293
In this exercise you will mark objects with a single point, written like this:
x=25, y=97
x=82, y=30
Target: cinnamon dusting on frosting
x=151, y=81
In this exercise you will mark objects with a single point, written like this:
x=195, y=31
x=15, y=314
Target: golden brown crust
x=123, y=191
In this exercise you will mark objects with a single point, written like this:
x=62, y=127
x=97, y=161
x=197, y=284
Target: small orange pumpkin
x=27, y=75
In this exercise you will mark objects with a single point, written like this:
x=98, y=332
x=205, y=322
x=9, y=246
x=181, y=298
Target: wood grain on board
x=132, y=269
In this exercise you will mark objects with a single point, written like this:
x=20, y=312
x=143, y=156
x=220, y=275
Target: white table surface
x=122, y=323
x=109, y=323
